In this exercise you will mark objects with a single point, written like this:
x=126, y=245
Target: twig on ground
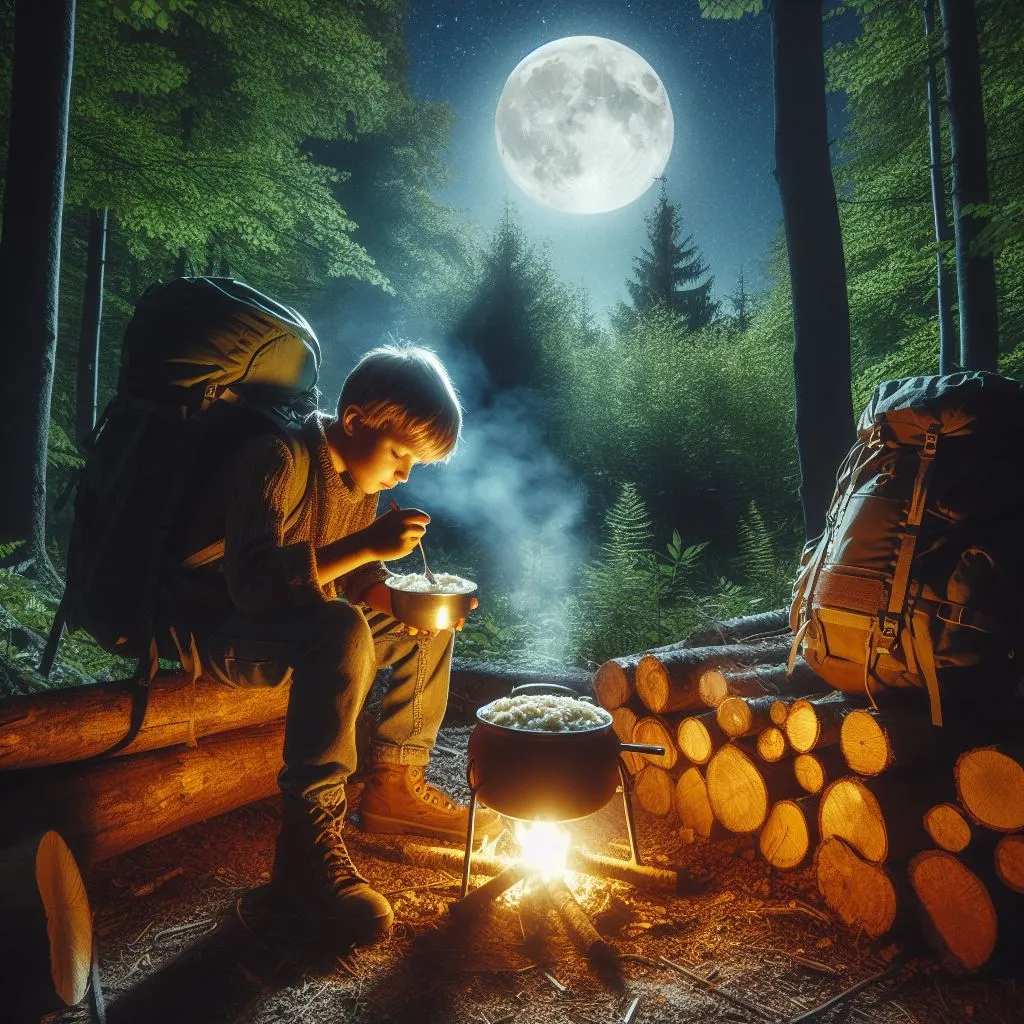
x=181, y=928
x=708, y=986
x=844, y=995
x=627, y=1017
x=554, y=982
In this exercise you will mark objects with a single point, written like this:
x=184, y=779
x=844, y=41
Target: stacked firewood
x=889, y=811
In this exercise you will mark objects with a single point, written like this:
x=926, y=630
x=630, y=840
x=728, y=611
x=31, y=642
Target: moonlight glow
x=584, y=125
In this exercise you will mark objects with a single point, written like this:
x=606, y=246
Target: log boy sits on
x=299, y=594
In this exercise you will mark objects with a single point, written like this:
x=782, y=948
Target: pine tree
x=672, y=272
x=741, y=302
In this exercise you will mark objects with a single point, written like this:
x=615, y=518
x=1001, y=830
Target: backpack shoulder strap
x=298, y=444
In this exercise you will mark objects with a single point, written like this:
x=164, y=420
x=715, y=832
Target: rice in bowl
x=544, y=713
x=417, y=583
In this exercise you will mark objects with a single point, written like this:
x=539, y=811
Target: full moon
x=584, y=125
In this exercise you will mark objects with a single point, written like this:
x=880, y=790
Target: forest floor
x=206, y=942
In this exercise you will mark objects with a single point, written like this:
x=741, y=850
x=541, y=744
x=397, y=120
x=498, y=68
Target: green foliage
x=767, y=576
x=730, y=9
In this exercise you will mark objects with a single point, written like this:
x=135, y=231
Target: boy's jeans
x=332, y=652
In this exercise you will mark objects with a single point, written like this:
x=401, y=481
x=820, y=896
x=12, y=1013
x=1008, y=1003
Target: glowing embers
x=544, y=848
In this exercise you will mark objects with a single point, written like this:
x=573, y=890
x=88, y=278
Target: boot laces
x=336, y=859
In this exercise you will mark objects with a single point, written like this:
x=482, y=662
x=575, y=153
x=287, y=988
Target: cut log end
x=736, y=790
x=958, y=908
x=692, y=806
x=947, y=827
x=611, y=686
x=771, y=744
x=1009, y=860
x=653, y=730
x=734, y=717
x=990, y=785
x=785, y=839
x=713, y=687
x=802, y=726
x=623, y=720
x=653, y=685
x=849, y=811
x=655, y=791
x=695, y=740
x=809, y=772
x=862, y=894
x=864, y=743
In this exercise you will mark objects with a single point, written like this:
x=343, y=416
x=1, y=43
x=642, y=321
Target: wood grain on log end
x=865, y=743
x=699, y=736
x=948, y=828
x=654, y=730
x=736, y=790
x=961, y=920
x=861, y=893
x=809, y=772
x=849, y=811
x=654, y=788
x=612, y=686
x=771, y=744
x=623, y=720
x=652, y=683
x=785, y=839
x=691, y=802
x=1009, y=861
x=990, y=785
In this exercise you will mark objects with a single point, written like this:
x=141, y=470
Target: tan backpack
x=918, y=578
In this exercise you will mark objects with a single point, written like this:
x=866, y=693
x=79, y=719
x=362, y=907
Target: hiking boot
x=313, y=870
x=397, y=798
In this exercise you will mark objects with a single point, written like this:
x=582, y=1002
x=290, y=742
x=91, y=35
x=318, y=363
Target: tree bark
x=670, y=680
x=742, y=629
x=108, y=807
x=760, y=681
x=975, y=272
x=87, y=387
x=30, y=262
x=821, y=317
x=949, y=353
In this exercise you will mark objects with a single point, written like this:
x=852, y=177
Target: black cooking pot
x=546, y=776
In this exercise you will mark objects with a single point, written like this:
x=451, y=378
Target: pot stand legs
x=468, y=858
x=625, y=785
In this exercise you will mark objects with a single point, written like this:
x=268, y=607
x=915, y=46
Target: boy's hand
x=395, y=533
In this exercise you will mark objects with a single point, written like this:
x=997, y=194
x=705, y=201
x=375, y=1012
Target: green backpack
x=206, y=363
x=917, y=580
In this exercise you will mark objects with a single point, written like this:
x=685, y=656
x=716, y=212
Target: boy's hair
x=406, y=390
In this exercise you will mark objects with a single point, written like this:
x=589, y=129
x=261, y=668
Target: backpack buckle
x=210, y=392
x=931, y=443
x=888, y=631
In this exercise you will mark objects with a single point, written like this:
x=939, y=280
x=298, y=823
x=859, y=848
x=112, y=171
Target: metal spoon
x=431, y=578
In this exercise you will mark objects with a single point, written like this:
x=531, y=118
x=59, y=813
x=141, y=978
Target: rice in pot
x=417, y=583
x=544, y=713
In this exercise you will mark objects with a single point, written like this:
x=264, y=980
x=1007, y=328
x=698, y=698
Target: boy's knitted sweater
x=273, y=518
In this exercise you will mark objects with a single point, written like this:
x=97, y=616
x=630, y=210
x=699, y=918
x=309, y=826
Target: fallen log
x=759, y=681
x=699, y=736
x=480, y=901
x=815, y=723
x=862, y=894
x=615, y=679
x=990, y=785
x=45, y=928
x=578, y=926
x=654, y=729
x=771, y=744
x=111, y=806
x=83, y=722
x=740, y=792
x=670, y=681
x=96, y=720
x=790, y=832
x=873, y=741
x=815, y=771
x=744, y=628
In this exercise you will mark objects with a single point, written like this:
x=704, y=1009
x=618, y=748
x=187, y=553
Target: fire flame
x=544, y=847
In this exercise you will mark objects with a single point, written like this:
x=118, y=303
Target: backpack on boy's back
x=918, y=578
x=206, y=363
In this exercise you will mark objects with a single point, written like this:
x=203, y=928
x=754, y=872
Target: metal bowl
x=429, y=611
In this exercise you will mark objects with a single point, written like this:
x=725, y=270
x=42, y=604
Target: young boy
x=300, y=595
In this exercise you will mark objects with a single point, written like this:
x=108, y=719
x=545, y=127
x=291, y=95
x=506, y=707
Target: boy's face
x=376, y=460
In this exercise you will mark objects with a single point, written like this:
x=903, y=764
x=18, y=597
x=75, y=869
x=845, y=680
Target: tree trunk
x=739, y=716
x=87, y=386
x=813, y=724
x=108, y=807
x=821, y=317
x=975, y=272
x=949, y=354
x=30, y=262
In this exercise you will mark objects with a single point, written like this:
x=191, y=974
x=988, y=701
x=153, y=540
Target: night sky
x=718, y=78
